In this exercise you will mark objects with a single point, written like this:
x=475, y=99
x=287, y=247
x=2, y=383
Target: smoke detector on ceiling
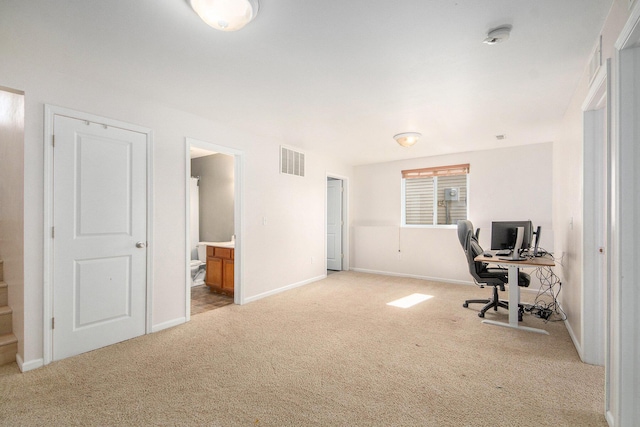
x=498, y=35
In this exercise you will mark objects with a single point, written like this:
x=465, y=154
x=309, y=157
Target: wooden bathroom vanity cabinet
x=219, y=275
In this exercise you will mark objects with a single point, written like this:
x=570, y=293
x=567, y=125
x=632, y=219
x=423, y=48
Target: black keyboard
x=503, y=252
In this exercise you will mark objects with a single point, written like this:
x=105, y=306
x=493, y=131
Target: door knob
x=141, y=245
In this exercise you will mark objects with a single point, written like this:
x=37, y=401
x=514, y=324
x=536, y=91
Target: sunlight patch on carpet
x=410, y=301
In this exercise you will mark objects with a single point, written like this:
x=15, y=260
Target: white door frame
x=623, y=370
x=50, y=111
x=238, y=291
x=596, y=211
x=345, y=218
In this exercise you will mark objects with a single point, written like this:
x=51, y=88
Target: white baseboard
x=413, y=276
x=283, y=289
x=574, y=338
x=168, y=324
x=30, y=365
x=609, y=417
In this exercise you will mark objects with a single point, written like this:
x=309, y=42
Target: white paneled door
x=99, y=235
x=334, y=224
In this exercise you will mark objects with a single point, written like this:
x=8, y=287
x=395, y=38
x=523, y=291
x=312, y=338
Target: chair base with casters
x=494, y=303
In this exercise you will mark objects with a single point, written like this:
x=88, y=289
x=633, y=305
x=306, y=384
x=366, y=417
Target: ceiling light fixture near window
x=498, y=35
x=407, y=139
x=226, y=15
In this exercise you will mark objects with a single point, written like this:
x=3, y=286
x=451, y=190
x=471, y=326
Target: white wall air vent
x=291, y=161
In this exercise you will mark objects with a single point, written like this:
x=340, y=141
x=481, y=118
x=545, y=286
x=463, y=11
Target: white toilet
x=198, y=266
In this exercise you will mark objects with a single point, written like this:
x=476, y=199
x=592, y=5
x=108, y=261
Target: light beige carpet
x=331, y=353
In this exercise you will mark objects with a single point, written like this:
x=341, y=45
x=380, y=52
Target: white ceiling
x=339, y=76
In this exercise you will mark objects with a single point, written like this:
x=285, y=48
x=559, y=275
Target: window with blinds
x=435, y=196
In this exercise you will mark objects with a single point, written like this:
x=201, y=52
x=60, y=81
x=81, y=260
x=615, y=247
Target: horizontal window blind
x=437, y=171
x=419, y=201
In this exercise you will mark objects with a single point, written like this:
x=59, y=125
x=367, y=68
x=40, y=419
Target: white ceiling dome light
x=498, y=35
x=226, y=15
x=407, y=139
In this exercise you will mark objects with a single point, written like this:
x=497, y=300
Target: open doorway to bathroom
x=212, y=227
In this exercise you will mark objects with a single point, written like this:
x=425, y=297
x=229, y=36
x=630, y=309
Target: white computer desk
x=514, y=290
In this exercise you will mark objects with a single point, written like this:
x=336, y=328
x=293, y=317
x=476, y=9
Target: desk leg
x=514, y=296
x=514, y=300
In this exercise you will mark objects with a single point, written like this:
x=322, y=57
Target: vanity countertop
x=230, y=244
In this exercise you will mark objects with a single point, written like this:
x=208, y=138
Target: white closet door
x=100, y=229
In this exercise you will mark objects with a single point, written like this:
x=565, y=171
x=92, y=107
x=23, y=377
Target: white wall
x=216, y=196
x=12, y=202
x=506, y=184
x=275, y=255
x=568, y=186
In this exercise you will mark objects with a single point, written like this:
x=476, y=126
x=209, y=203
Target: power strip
x=543, y=313
x=539, y=312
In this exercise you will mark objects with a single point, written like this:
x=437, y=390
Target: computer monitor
x=504, y=233
x=536, y=245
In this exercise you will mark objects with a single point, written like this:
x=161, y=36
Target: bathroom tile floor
x=202, y=299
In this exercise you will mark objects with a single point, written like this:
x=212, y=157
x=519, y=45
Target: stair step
x=4, y=294
x=5, y=320
x=8, y=348
x=7, y=339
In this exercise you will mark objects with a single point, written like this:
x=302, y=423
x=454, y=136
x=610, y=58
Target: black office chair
x=483, y=275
